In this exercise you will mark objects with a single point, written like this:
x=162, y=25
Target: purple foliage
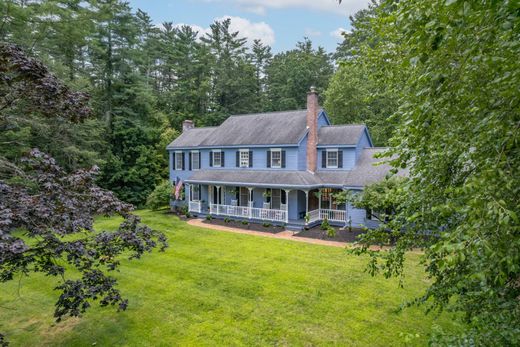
x=46, y=222
x=26, y=83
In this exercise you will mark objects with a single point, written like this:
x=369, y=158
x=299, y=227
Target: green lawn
x=218, y=288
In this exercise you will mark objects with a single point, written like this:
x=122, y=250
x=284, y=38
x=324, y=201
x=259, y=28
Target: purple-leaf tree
x=47, y=214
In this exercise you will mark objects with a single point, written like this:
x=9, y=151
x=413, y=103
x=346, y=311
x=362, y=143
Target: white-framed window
x=217, y=158
x=178, y=160
x=244, y=158
x=195, y=160
x=195, y=192
x=332, y=159
x=276, y=158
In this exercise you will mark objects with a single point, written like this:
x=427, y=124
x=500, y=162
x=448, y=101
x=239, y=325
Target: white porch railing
x=314, y=216
x=249, y=212
x=195, y=206
x=331, y=215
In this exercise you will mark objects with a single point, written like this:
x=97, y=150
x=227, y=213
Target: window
x=374, y=215
x=178, y=160
x=332, y=159
x=244, y=158
x=195, y=160
x=217, y=159
x=195, y=192
x=276, y=158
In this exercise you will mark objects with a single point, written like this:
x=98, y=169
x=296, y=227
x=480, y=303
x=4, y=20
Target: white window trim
x=327, y=158
x=276, y=150
x=178, y=154
x=220, y=157
x=240, y=157
x=192, y=156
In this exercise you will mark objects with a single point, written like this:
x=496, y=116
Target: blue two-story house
x=278, y=167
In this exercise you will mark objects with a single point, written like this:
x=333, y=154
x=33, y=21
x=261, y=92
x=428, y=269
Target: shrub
x=325, y=224
x=244, y=222
x=160, y=196
x=331, y=232
x=227, y=220
x=267, y=225
x=209, y=217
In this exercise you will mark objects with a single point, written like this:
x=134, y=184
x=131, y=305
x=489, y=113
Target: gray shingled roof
x=192, y=138
x=364, y=173
x=256, y=177
x=340, y=134
x=275, y=128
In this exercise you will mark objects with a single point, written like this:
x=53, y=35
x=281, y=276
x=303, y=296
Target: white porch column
x=218, y=198
x=319, y=205
x=306, y=202
x=287, y=205
x=188, y=192
x=250, y=203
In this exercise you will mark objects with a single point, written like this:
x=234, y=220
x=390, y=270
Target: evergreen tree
x=233, y=75
x=291, y=73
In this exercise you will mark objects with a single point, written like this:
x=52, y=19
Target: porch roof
x=257, y=178
x=364, y=173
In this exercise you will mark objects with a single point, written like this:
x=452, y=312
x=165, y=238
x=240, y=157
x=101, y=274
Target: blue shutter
x=340, y=158
x=283, y=159
x=268, y=164
x=323, y=159
x=210, y=158
x=222, y=159
x=238, y=158
x=250, y=158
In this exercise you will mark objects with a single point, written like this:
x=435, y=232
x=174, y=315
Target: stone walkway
x=286, y=235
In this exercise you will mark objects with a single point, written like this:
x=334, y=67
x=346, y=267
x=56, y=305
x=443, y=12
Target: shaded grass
x=218, y=288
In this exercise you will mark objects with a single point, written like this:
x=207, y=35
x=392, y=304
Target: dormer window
x=332, y=159
x=276, y=158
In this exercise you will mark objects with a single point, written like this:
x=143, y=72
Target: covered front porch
x=289, y=206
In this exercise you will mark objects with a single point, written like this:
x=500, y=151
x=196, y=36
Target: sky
x=278, y=23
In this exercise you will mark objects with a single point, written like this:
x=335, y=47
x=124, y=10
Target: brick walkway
x=286, y=235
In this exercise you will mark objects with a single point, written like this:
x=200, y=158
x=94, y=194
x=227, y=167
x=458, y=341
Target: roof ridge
x=265, y=113
x=343, y=125
x=197, y=128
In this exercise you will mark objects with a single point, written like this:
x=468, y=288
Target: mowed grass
x=216, y=288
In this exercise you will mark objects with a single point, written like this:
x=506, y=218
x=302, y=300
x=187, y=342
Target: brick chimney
x=312, y=125
x=187, y=125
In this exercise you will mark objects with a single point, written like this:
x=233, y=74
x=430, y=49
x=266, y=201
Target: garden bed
x=341, y=235
x=263, y=227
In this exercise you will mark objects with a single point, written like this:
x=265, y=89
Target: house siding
x=349, y=158
x=302, y=153
x=364, y=141
x=292, y=160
